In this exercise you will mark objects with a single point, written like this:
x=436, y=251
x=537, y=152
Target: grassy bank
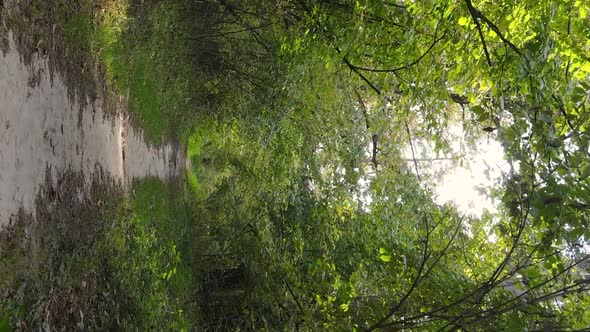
x=148, y=54
x=101, y=264
x=55, y=268
x=141, y=59
x=115, y=262
x=155, y=258
x=110, y=48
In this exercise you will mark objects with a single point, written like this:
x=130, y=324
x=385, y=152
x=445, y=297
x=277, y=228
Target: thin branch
x=480, y=291
x=411, y=64
x=356, y=70
x=227, y=33
x=513, y=303
x=419, y=277
x=363, y=108
x=412, y=148
x=231, y=9
x=569, y=59
x=562, y=111
x=497, y=31
x=294, y=297
x=447, y=246
x=497, y=310
x=367, y=124
x=477, y=15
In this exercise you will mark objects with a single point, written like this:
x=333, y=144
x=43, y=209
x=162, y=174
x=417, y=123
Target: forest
x=301, y=209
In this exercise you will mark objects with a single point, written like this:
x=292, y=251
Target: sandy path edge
x=41, y=129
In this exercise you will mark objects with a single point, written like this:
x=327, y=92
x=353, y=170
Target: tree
x=355, y=81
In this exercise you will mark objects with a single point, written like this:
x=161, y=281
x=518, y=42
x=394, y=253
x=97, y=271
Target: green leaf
x=5, y=324
x=478, y=110
x=578, y=94
x=545, y=117
x=463, y=21
x=483, y=117
x=575, y=234
x=384, y=255
x=448, y=11
x=515, y=323
x=533, y=275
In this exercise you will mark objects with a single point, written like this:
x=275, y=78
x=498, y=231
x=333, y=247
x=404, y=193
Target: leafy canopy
x=336, y=229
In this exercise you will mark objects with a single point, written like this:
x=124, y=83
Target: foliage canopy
x=336, y=229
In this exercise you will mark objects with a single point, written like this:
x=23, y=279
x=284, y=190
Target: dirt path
x=40, y=130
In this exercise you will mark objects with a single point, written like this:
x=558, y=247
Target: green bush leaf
x=5, y=324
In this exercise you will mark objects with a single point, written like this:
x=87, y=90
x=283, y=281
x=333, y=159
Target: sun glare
x=469, y=186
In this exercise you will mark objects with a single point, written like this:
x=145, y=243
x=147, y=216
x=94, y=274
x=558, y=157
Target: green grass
x=119, y=263
x=143, y=57
x=154, y=259
x=140, y=54
x=55, y=268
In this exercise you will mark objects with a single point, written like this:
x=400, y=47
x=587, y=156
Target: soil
x=42, y=128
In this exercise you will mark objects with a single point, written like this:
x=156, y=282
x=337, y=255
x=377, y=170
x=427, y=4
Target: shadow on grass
x=54, y=261
x=91, y=259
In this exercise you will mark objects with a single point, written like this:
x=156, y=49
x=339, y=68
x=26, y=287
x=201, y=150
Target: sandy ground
x=41, y=129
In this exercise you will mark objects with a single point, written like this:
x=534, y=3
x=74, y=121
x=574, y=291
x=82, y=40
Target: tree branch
x=476, y=15
x=412, y=148
x=367, y=124
x=413, y=63
x=419, y=277
x=354, y=69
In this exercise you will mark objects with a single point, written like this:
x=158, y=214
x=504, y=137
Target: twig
x=476, y=15
x=356, y=70
x=406, y=66
x=419, y=277
x=562, y=111
x=412, y=148
x=367, y=124
x=226, y=33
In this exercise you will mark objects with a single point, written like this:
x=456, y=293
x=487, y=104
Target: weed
x=147, y=58
x=55, y=272
x=154, y=257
